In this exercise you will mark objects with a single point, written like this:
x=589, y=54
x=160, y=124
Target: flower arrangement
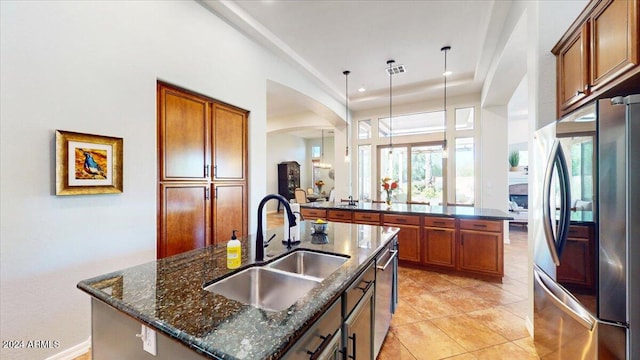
x=388, y=185
x=319, y=183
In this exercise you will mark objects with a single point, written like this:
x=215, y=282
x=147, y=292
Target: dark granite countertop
x=168, y=294
x=465, y=212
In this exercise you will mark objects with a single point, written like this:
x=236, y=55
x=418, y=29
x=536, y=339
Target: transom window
x=412, y=124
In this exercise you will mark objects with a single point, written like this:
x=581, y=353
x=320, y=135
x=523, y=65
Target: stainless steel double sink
x=277, y=285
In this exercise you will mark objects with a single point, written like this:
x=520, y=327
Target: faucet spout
x=259, y=236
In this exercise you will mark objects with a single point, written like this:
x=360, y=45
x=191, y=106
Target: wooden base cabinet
x=440, y=247
x=409, y=239
x=227, y=215
x=481, y=247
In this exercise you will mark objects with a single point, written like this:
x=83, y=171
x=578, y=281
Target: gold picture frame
x=88, y=164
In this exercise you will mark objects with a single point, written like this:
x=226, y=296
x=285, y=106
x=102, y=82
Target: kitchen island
x=168, y=297
x=453, y=239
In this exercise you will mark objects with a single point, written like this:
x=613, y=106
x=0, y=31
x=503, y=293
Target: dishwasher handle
x=394, y=253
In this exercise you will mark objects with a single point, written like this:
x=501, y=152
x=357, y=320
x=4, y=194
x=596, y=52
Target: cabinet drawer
x=577, y=231
x=366, y=217
x=359, y=287
x=339, y=215
x=439, y=222
x=401, y=219
x=482, y=225
x=310, y=214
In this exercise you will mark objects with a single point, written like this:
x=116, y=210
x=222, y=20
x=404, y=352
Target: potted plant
x=514, y=160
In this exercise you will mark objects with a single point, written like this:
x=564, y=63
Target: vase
x=319, y=189
x=388, y=202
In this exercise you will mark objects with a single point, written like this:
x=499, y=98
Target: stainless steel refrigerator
x=591, y=158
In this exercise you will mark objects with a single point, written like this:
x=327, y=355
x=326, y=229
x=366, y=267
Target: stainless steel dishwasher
x=386, y=292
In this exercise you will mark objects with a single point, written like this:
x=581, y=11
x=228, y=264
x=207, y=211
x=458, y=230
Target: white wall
x=283, y=147
x=92, y=67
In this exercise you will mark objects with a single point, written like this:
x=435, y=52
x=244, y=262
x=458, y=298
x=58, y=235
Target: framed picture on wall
x=88, y=164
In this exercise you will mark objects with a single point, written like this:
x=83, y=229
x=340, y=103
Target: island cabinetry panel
x=366, y=217
x=340, y=215
x=323, y=338
x=358, y=328
x=409, y=239
x=312, y=214
x=440, y=242
x=578, y=257
x=114, y=336
x=203, y=141
x=481, y=247
x=599, y=54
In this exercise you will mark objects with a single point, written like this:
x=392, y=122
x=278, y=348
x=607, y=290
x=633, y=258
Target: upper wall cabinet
x=599, y=53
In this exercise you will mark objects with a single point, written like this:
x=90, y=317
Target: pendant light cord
x=390, y=63
x=346, y=110
x=445, y=49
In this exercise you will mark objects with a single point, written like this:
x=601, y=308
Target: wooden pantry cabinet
x=599, y=53
x=202, y=165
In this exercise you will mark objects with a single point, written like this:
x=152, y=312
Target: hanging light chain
x=445, y=49
x=390, y=63
x=346, y=111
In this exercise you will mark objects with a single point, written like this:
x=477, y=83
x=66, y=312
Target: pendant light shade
x=445, y=49
x=346, y=115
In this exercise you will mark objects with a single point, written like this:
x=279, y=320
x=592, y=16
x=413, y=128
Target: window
x=580, y=162
x=418, y=169
x=464, y=171
x=364, y=172
x=315, y=151
x=426, y=174
x=364, y=129
x=413, y=124
x=464, y=118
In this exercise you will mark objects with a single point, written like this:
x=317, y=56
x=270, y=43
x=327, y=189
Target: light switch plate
x=149, y=340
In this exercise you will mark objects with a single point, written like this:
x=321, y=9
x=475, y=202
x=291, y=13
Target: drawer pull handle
x=401, y=220
x=439, y=222
x=316, y=354
x=480, y=225
x=366, y=286
x=353, y=338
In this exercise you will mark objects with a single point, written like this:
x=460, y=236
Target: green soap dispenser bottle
x=234, y=252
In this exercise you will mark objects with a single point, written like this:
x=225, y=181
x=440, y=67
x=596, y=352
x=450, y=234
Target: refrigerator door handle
x=556, y=241
x=564, y=301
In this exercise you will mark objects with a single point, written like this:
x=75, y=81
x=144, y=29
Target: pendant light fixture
x=390, y=72
x=346, y=115
x=445, y=49
x=322, y=164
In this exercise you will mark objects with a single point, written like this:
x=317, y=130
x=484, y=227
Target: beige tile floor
x=444, y=316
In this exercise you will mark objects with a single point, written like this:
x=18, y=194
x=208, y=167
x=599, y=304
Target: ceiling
x=327, y=37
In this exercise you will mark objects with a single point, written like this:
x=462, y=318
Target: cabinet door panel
x=481, y=252
x=229, y=143
x=440, y=247
x=359, y=329
x=572, y=70
x=184, y=226
x=184, y=134
x=573, y=266
x=408, y=242
x=614, y=44
x=229, y=213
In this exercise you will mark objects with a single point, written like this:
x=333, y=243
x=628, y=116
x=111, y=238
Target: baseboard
x=529, y=325
x=73, y=352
